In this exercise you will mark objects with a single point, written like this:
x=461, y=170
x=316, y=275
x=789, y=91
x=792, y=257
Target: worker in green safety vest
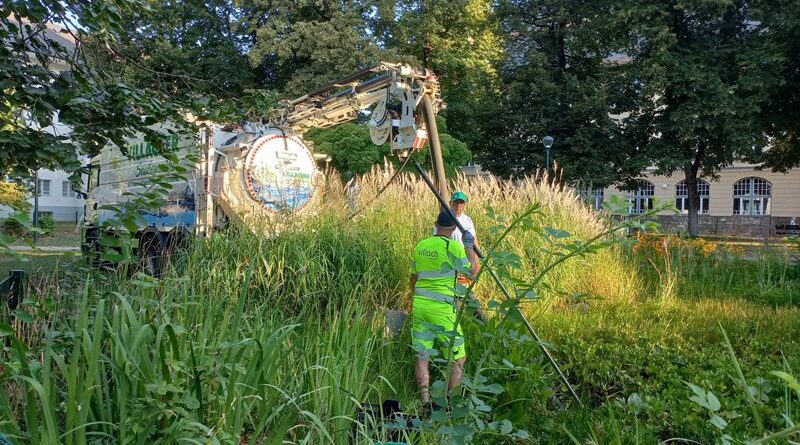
x=438, y=260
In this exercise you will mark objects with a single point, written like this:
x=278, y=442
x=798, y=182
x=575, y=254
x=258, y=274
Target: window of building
x=66, y=189
x=44, y=187
x=593, y=196
x=641, y=199
x=682, y=196
x=751, y=196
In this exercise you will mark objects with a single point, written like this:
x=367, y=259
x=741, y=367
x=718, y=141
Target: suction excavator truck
x=256, y=172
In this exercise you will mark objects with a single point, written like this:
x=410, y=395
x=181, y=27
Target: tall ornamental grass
x=277, y=336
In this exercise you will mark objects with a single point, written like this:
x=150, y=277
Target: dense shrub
x=12, y=227
x=47, y=224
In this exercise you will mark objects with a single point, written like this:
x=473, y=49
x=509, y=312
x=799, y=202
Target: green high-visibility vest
x=437, y=261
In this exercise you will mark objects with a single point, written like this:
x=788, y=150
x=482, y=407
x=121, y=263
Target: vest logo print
x=429, y=253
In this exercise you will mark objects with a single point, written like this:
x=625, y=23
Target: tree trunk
x=691, y=170
x=693, y=201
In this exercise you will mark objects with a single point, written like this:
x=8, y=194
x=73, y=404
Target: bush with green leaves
x=47, y=224
x=12, y=227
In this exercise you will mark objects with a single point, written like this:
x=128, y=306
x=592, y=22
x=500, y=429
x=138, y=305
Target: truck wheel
x=151, y=259
x=178, y=241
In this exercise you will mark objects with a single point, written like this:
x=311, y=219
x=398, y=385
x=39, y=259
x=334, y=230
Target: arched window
x=682, y=196
x=641, y=200
x=751, y=196
x=593, y=196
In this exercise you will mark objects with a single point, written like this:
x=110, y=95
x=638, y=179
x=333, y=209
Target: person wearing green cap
x=458, y=203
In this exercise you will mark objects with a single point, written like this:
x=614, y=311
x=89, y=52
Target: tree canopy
x=686, y=87
x=705, y=71
x=47, y=80
x=14, y=196
x=352, y=151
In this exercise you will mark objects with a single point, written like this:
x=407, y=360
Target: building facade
x=57, y=198
x=742, y=201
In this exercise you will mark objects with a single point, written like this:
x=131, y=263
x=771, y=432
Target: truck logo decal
x=280, y=173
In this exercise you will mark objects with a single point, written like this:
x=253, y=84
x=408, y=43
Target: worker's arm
x=413, y=273
x=474, y=263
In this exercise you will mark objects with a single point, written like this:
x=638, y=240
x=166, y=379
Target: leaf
x=494, y=388
x=130, y=224
x=514, y=315
x=527, y=293
x=24, y=316
x=718, y=422
x=713, y=401
x=556, y=233
x=704, y=398
x=635, y=401
x=190, y=402
x=77, y=101
x=6, y=330
x=789, y=379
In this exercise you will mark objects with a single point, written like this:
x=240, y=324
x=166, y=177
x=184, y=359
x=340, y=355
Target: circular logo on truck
x=280, y=173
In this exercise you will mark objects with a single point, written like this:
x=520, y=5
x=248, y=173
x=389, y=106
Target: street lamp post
x=548, y=143
x=35, y=206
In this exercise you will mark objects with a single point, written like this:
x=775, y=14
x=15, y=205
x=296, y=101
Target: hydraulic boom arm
x=394, y=91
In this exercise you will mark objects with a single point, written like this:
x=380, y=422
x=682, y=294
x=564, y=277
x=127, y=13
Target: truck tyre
x=151, y=256
x=178, y=241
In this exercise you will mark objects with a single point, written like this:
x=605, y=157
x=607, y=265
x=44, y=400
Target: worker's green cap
x=459, y=196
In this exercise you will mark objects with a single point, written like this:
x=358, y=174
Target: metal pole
x=500, y=284
x=436, y=149
x=16, y=294
x=548, y=160
x=35, y=206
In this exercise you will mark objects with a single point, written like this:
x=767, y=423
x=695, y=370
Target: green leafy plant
x=13, y=227
x=470, y=412
x=754, y=397
x=123, y=221
x=14, y=195
x=47, y=224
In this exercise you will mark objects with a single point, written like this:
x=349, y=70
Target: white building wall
x=63, y=206
x=785, y=201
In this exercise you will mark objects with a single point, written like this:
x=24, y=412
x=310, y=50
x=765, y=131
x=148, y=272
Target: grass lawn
x=66, y=234
x=39, y=263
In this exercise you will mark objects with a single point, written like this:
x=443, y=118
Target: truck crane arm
x=394, y=91
x=270, y=169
